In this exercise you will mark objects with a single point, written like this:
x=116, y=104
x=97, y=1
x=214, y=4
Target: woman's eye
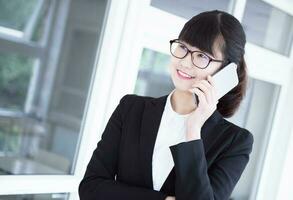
x=182, y=46
x=202, y=56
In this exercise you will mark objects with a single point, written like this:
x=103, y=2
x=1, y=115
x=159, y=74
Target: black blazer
x=121, y=165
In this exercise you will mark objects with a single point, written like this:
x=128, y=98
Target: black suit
x=208, y=168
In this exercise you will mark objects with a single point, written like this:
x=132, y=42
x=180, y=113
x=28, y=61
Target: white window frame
x=111, y=34
x=122, y=42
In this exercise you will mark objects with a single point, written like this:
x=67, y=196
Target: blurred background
x=65, y=64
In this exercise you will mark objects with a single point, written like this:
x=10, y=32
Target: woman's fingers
x=207, y=89
x=212, y=82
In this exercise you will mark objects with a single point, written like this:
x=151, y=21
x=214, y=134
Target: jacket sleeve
x=99, y=181
x=195, y=181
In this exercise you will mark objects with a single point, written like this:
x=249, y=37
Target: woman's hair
x=218, y=27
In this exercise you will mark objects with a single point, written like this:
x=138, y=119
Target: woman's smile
x=183, y=75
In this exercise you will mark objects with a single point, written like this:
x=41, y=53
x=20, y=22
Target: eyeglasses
x=198, y=58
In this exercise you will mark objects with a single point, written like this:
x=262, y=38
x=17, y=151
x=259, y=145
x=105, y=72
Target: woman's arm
x=99, y=180
x=195, y=181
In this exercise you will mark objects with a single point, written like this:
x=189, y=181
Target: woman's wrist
x=193, y=133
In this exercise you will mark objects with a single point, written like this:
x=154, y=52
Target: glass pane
x=255, y=113
x=43, y=100
x=61, y=196
x=268, y=26
x=15, y=73
x=25, y=19
x=153, y=77
x=37, y=26
x=189, y=8
x=15, y=14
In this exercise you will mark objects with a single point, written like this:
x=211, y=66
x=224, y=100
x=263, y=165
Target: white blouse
x=172, y=130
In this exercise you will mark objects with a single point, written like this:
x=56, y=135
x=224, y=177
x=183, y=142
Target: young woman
x=171, y=147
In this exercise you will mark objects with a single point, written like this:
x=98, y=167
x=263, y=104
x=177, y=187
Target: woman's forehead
x=216, y=50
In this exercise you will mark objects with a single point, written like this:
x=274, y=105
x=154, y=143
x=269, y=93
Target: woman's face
x=186, y=66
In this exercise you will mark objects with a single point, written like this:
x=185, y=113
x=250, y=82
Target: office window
x=61, y=196
x=189, y=8
x=268, y=26
x=47, y=56
x=153, y=76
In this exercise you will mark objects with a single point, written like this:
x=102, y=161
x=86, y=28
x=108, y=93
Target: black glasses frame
x=191, y=52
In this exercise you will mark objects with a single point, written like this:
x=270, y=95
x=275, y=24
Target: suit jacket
x=204, y=169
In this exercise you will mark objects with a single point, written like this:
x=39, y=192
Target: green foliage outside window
x=15, y=13
x=9, y=137
x=15, y=73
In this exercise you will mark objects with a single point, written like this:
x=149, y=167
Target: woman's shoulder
x=240, y=134
x=135, y=98
x=128, y=101
x=139, y=97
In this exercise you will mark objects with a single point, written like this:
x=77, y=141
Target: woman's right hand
x=170, y=198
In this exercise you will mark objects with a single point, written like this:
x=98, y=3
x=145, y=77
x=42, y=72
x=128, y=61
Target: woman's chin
x=182, y=84
x=182, y=88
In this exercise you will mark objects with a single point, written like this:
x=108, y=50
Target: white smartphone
x=225, y=80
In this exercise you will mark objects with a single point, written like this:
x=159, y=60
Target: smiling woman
x=169, y=147
x=215, y=40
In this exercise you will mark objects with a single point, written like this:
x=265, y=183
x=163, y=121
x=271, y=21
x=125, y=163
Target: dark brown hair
x=202, y=31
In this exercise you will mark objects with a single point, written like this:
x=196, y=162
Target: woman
x=171, y=147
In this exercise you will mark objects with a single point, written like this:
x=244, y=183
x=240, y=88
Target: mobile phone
x=225, y=80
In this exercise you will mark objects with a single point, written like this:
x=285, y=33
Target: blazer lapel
x=151, y=120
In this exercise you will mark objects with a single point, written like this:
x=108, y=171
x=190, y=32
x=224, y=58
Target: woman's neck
x=182, y=102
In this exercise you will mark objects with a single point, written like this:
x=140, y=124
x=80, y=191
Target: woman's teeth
x=184, y=74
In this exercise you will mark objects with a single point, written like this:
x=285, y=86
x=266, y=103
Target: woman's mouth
x=183, y=75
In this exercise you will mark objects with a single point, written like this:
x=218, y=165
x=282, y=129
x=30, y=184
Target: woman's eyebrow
x=209, y=54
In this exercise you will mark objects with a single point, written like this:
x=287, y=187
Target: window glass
x=268, y=26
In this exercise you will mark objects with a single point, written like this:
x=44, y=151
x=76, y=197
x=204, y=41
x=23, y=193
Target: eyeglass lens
x=199, y=59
